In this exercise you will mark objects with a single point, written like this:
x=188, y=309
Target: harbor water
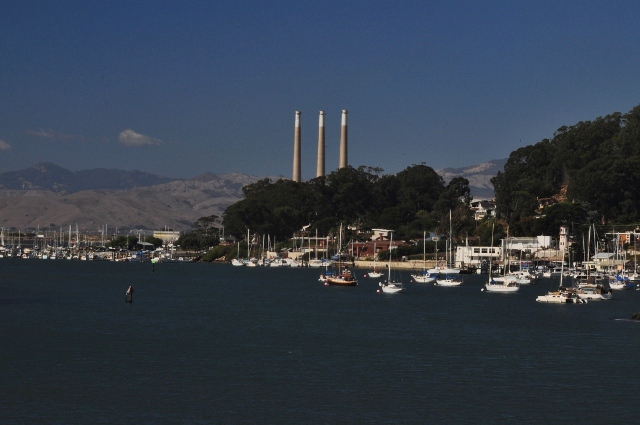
x=203, y=343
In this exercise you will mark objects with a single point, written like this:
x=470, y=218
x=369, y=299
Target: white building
x=475, y=255
x=482, y=208
x=563, y=243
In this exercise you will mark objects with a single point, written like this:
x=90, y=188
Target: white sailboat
x=425, y=277
x=448, y=268
x=503, y=286
x=562, y=295
x=391, y=286
x=375, y=273
x=237, y=261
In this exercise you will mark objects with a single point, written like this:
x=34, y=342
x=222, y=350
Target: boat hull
x=560, y=298
x=448, y=282
x=341, y=282
x=501, y=288
x=423, y=278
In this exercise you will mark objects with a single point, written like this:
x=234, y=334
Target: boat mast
x=390, y=246
x=450, y=241
x=493, y=226
x=424, y=251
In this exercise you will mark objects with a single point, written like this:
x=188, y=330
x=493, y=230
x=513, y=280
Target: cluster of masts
x=297, y=146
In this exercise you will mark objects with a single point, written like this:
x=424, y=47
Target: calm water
x=208, y=343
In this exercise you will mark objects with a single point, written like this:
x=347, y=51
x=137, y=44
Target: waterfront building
x=476, y=255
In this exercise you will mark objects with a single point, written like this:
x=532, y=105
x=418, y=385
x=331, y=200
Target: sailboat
x=562, y=295
x=449, y=280
x=237, y=261
x=447, y=269
x=343, y=277
x=504, y=286
x=425, y=277
x=375, y=273
x=390, y=286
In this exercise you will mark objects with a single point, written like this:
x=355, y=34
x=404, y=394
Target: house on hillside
x=482, y=208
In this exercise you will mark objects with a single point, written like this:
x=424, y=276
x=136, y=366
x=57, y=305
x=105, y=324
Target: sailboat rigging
x=391, y=286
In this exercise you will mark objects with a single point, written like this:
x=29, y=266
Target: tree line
x=409, y=202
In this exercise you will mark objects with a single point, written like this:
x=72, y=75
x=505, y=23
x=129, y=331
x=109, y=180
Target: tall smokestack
x=297, y=147
x=344, y=161
x=320, y=167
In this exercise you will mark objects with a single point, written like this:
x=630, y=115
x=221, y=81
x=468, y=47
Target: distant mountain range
x=479, y=176
x=47, y=196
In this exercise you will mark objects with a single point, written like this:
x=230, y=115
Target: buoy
x=365, y=275
x=378, y=291
x=129, y=295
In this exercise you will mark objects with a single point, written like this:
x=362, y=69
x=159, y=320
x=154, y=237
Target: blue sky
x=184, y=88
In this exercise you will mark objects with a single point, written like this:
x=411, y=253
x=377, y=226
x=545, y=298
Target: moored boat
x=448, y=281
x=345, y=278
x=391, y=285
x=562, y=296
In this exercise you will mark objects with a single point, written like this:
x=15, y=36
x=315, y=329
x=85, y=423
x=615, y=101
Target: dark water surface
x=208, y=343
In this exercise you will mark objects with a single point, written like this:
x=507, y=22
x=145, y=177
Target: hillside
x=176, y=204
x=479, y=176
x=593, y=165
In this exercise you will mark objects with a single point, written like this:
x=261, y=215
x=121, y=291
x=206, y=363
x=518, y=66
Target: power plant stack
x=343, y=141
x=320, y=167
x=297, y=147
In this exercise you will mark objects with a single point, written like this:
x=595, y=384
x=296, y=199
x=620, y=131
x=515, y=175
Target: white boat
x=290, y=262
x=375, y=273
x=618, y=281
x=391, y=286
x=562, y=295
x=424, y=277
x=317, y=262
x=594, y=292
x=278, y=262
x=448, y=281
x=504, y=287
x=506, y=284
x=505, y=279
x=522, y=277
x=554, y=272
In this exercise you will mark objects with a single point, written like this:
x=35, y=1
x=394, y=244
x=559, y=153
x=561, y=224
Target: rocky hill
x=46, y=196
x=479, y=176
